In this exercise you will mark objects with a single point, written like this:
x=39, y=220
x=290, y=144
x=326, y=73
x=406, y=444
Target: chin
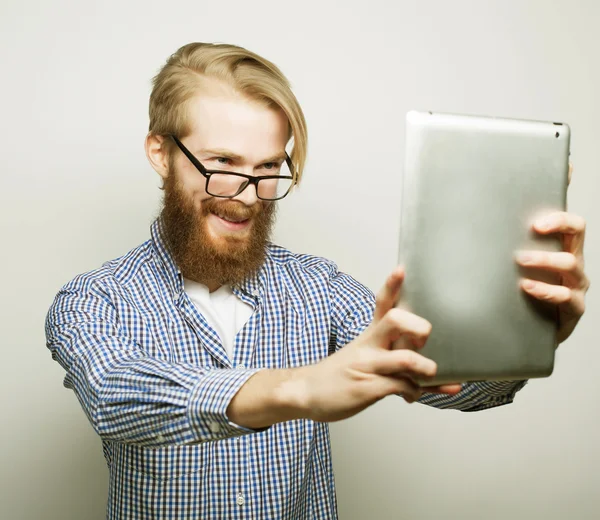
x=228, y=243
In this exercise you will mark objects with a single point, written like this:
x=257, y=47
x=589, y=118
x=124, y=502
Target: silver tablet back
x=472, y=188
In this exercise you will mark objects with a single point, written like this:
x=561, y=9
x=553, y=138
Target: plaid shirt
x=155, y=383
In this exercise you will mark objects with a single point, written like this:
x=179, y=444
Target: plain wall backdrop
x=77, y=190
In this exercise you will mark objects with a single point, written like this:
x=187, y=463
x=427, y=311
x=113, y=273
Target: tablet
x=472, y=187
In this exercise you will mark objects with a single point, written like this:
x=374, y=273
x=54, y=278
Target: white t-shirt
x=222, y=309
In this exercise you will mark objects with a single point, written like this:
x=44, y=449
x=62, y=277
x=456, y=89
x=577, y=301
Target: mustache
x=232, y=209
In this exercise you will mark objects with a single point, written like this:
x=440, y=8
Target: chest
x=282, y=331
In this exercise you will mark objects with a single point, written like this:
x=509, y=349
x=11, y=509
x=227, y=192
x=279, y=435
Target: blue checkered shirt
x=155, y=383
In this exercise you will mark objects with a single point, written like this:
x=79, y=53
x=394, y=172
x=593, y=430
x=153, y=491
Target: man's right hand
x=345, y=383
x=368, y=369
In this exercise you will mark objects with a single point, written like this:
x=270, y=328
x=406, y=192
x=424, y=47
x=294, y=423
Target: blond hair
x=246, y=72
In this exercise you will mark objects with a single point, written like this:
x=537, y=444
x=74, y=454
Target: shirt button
x=240, y=500
x=255, y=293
x=214, y=427
x=241, y=366
x=160, y=438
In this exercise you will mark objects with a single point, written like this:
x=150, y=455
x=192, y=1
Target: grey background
x=77, y=190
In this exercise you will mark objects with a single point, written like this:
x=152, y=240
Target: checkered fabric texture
x=155, y=383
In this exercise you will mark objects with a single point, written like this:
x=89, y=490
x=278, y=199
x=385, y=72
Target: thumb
x=389, y=293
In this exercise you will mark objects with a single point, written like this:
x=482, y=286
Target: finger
x=570, y=175
x=566, y=264
x=560, y=222
x=408, y=342
x=575, y=306
x=443, y=389
x=405, y=388
x=398, y=322
x=389, y=293
x=404, y=363
x=412, y=397
x=557, y=294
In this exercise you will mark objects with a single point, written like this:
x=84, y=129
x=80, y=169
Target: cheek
x=193, y=184
x=198, y=197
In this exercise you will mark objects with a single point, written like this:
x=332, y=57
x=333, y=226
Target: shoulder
x=300, y=264
x=309, y=272
x=116, y=273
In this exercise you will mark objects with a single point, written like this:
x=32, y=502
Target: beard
x=227, y=259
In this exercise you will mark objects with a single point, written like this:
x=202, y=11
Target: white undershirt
x=222, y=309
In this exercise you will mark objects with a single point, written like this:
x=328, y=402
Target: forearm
x=269, y=397
x=128, y=394
x=149, y=402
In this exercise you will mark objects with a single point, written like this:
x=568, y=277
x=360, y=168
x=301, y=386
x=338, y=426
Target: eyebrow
x=222, y=152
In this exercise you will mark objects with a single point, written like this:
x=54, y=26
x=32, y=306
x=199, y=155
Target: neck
x=213, y=286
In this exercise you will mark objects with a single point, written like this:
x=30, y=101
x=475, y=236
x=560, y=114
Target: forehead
x=224, y=119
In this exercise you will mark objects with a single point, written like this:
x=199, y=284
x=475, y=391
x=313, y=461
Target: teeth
x=231, y=219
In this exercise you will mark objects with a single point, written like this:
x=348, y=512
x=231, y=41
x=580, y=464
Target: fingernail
x=528, y=284
x=545, y=224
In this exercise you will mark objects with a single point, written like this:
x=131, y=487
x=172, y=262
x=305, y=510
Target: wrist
x=292, y=394
x=269, y=397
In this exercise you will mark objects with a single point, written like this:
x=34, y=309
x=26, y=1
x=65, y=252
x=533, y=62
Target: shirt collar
x=174, y=277
x=252, y=287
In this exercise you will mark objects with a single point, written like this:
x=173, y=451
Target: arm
x=342, y=384
x=132, y=397
x=127, y=395
x=350, y=379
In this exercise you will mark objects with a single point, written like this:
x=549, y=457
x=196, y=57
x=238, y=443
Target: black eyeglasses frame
x=250, y=179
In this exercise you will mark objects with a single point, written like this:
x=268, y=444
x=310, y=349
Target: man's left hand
x=569, y=294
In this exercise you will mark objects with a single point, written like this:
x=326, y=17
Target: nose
x=248, y=195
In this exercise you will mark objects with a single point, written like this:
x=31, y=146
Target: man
x=208, y=359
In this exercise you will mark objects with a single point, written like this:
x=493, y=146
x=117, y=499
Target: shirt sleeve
x=353, y=306
x=127, y=395
x=476, y=396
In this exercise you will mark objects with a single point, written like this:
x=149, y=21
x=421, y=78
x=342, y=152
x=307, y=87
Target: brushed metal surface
x=472, y=187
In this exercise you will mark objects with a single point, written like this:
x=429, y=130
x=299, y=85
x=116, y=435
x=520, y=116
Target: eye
x=222, y=160
x=271, y=166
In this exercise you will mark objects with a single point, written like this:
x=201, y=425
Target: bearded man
x=208, y=359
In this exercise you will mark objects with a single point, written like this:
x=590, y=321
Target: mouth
x=231, y=223
x=233, y=220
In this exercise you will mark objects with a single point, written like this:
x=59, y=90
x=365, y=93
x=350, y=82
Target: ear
x=157, y=154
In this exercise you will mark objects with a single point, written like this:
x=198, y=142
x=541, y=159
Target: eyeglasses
x=227, y=184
